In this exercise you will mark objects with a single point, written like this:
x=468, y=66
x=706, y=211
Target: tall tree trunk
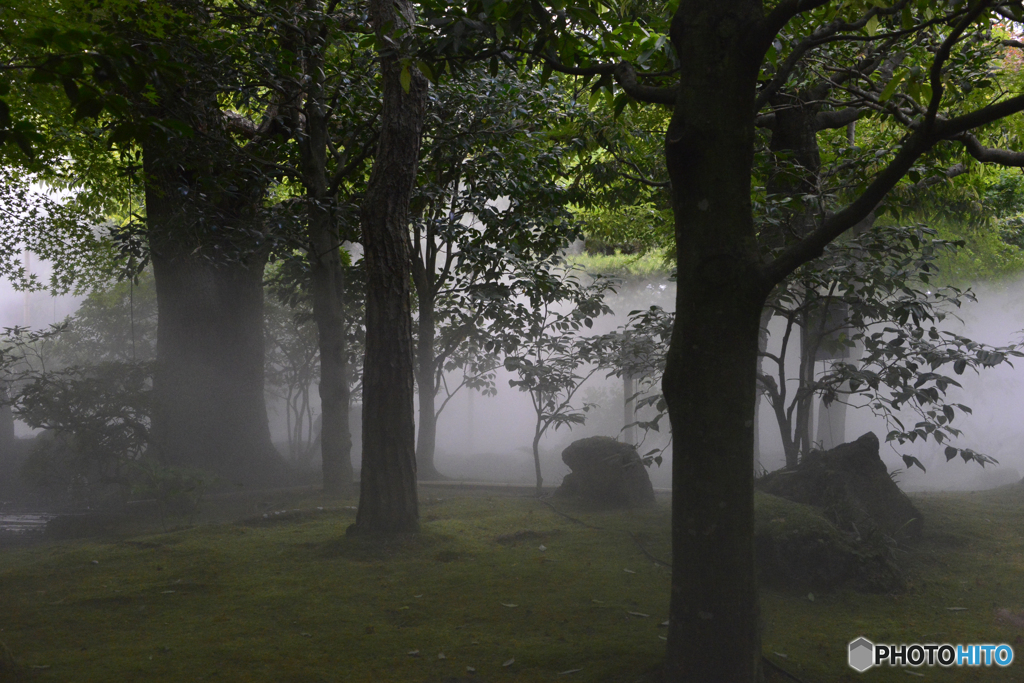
x=426, y=361
x=209, y=410
x=335, y=396
x=327, y=274
x=709, y=382
x=388, y=502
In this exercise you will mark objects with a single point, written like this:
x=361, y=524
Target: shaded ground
x=287, y=597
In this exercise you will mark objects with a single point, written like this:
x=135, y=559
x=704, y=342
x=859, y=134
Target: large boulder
x=852, y=486
x=605, y=473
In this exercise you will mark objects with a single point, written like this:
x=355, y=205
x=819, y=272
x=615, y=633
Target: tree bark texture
x=388, y=500
x=713, y=357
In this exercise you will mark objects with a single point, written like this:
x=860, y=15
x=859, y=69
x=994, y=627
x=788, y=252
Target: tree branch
x=989, y=155
x=625, y=75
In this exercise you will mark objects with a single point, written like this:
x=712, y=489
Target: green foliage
x=115, y=324
x=65, y=232
x=626, y=267
x=97, y=420
x=874, y=293
x=631, y=229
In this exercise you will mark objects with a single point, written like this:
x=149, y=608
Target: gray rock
x=605, y=473
x=851, y=485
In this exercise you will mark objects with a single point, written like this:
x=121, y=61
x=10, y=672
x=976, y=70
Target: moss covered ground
x=288, y=597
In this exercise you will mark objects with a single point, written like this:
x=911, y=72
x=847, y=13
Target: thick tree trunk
x=387, y=501
x=209, y=410
x=710, y=376
x=426, y=437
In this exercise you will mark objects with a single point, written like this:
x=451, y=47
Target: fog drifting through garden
x=484, y=438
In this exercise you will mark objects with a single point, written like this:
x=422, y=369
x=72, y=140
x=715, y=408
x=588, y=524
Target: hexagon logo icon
x=862, y=654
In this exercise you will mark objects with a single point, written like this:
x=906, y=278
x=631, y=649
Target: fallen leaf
x=638, y=614
x=440, y=655
x=570, y=671
x=1009, y=617
x=542, y=548
x=509, y=604
x=510, y=662
x=470, y=670
x=782, y=655
x=664, y=623
x=413, y=653
x=663, y=637
x=629, y=571
x=600, y=602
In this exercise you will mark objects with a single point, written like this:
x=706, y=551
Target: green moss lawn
x=290, y=598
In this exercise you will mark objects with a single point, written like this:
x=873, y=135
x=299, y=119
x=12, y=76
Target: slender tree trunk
x=628, y=409
x=6, y=419
x=426, y=437
x=711, y=371
x=805, y=379
x=335, y=395
x=327, y=274
x=388, y=502
x=536, y=459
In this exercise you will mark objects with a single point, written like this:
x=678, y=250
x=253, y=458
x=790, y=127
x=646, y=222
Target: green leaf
x=959, y=366
x=426, y=71
x=405, y=78
x=872, y=26
x=621, y=100
x=89, y=108
x=890, y=88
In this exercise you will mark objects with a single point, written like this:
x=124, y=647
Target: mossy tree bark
x=388, y=501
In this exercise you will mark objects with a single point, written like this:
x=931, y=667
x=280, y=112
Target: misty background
x=482, y=438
